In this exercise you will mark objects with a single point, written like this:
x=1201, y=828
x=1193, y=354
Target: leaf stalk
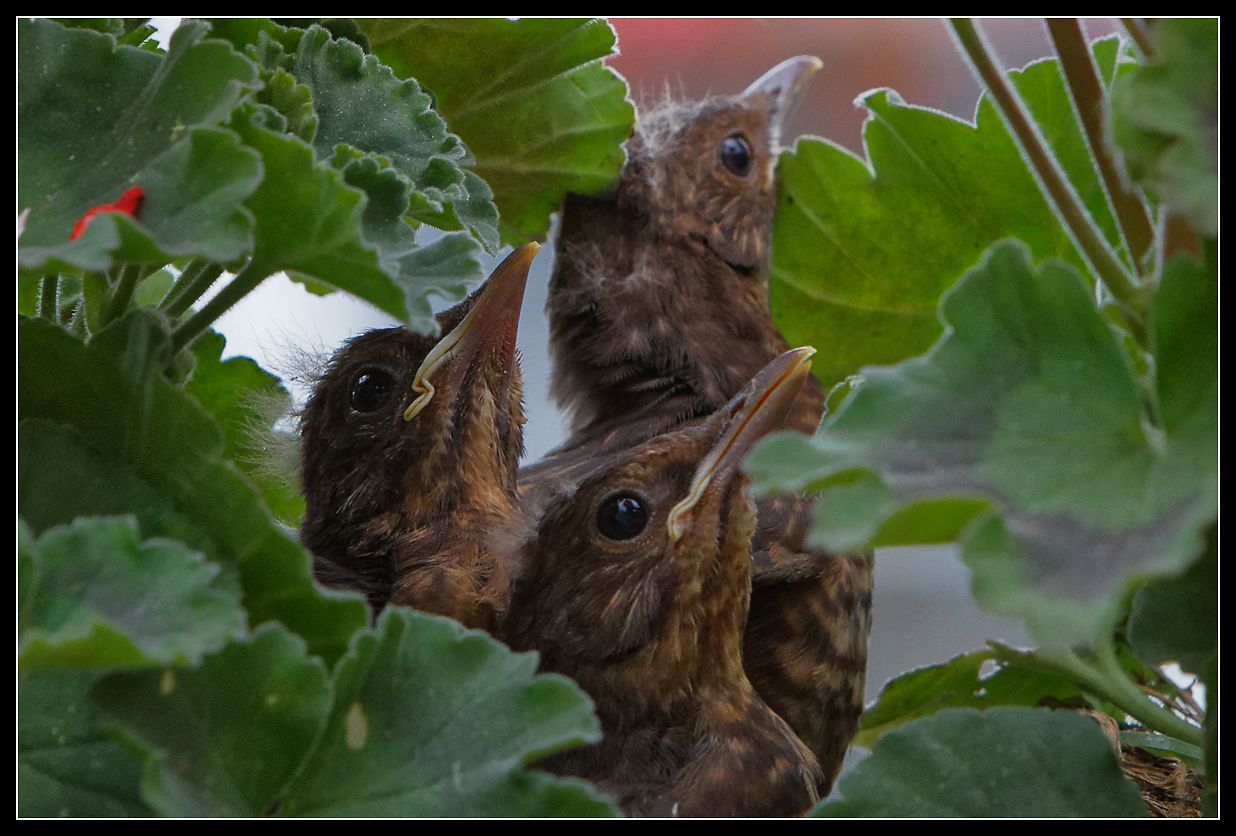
x=126, y=282
x=1140, y=33
x=244, y=282
x=196, y=279
x=1092, y=105
x=1056, y=187
x=1109, y=682
x=49, y=297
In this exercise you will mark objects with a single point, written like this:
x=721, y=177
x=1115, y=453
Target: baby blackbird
x=636, y=584
x=659, y=313
x=410, y=448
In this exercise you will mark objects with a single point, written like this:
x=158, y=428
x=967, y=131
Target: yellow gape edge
x=737, y=436
x=502, y=295
x=441, y=353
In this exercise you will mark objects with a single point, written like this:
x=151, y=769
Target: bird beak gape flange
x=491, y=321
x=760, y=408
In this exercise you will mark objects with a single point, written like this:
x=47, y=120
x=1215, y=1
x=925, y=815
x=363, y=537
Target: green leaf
x=529, y=97
x=113, y=26
x=361, y=104
x=152, y=451
x=1028, y=405
x=863, y=249
x=262, y=39
x=448, y=271
x=226, y=737
x=246, y=400
x=1006, y=762
x=67, y=766
x=431, y=720
x=61, y=477
x=292, y=100
x=974, y=680
x=152, y=288
x=310, y=220
x=1166, y=115
x=95, y=596
x=1162, y=745
x=95, y=119
x=1177, y=619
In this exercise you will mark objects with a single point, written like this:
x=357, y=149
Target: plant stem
x=49, y=297
x=186, y=277
x=1090, y=98
x=1113, y=684
x=1110, y=683
x=245, y=281
x=1140, y=34
x=126, y=283
x=77, y=322
x=1056, y=187
x=197, y=278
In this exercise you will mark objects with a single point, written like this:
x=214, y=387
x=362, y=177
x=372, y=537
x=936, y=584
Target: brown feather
x=659, y=313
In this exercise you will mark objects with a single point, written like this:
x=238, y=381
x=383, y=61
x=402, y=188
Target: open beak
x=760, y=408
x=783, y=85
x=489, y=325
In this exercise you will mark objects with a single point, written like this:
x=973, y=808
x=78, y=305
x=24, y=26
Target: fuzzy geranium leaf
x=247, y=400
x=360, y=103
x=66, y=764
x=106, y=434
x=979, y=679
x=1006, y=762
x=863, y=249
x=1027, y=406
x=95, y=120
x=224, y=738
x=1166, y=118
x=98, y=596
x=563, y=115
x=428, y=719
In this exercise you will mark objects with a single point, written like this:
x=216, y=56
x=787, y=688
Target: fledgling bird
x=658, y=310
x=410, y=447
x=636, y=584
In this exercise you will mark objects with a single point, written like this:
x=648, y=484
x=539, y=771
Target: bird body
x=659, y=314
x=410, y=446
x=636, y=583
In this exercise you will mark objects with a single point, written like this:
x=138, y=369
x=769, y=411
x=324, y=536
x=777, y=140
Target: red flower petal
x=128, y=204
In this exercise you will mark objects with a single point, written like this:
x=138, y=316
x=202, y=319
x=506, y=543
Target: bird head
x=401, y=429
x=639, y=575
x=704, y=170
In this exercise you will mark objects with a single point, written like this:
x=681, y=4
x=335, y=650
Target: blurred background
x=923, y=610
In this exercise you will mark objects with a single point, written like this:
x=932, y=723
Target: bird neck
x=456, y=565
x=649, y=329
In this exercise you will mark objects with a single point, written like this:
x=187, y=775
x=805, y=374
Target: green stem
x=1090, y=98
x=49, y=297
x=77, y=322
x=1140, y=34
x=122, y=293
x=197, y=278
x=1056, y=187
x=245, y=281
x=1110, y=682
x=192, y=269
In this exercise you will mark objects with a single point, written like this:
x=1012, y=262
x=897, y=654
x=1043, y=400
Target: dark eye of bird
x=736, y=155
x=622, y=517
x=371, y=388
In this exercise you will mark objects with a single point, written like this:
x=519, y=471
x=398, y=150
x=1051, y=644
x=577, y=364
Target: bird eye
x=622, y=517
x=736, y=155
x=371, y=388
